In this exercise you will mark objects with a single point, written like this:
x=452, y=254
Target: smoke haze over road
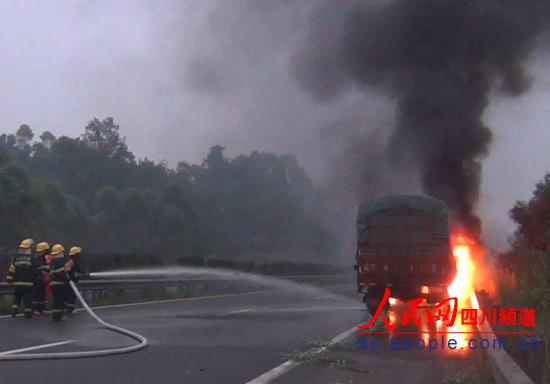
x=180, y=77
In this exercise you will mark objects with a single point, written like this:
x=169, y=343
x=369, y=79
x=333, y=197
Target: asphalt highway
x=232, y=338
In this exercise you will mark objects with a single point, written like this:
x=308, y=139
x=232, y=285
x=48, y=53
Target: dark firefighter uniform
x=21, y=275
x=58, y=279
x=75, y=272
x=41, y=281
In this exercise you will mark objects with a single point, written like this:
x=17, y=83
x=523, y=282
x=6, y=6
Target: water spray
x=269, y=281
x=280, y=283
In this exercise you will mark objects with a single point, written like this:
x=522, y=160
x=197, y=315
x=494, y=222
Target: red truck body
x=403, y=244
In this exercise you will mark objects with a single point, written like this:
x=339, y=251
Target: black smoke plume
x=439, y=60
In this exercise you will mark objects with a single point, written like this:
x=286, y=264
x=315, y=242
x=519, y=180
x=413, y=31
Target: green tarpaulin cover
x=436, y=208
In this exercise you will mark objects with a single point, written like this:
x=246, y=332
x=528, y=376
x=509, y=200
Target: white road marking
x=42, y=346
x=235, y=312
x=280, y=370
x=271, y=375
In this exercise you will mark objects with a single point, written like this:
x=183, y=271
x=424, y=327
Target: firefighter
x=21, y=275
x=58, y=279
x=31, y=242
x=48, y=289
x=75, y=272
x=42, y=277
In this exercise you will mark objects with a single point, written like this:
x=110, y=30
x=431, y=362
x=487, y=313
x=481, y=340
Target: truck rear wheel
x=372, y=304
x=372, y=300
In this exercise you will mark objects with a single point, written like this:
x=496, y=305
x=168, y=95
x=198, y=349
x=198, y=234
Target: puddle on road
x=327, y=358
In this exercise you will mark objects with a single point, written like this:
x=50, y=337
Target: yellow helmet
x=75, y=251
x=26, y=244
x=43, y=246
x=57, y=249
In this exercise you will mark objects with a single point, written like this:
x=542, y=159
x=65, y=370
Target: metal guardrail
x=505, y=369
x=204, y=282
x=92, y=285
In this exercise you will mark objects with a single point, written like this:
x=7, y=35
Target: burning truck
x=403, y=243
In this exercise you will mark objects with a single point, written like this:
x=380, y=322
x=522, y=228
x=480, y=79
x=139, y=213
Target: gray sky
x=181, y=76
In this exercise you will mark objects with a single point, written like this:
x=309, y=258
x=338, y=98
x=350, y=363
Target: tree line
x=528, y=264
x=91, y=190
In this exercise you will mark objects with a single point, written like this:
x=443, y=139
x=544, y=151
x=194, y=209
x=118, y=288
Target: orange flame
x=463, y=283
x=462, y=286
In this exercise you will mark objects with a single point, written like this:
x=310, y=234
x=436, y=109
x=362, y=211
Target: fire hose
x=142, y=341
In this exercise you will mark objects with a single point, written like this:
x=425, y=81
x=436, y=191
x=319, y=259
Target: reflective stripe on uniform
x=23, y=284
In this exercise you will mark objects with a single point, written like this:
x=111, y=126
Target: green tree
x=17, y=206
x=137, y=216
x=47, y=139
x=529, y=260
x=24, y=135
x=215, y=160
x=103, y=136
x=89, y=190
x=533, y=217
x=8, y=141
x=107, y=219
